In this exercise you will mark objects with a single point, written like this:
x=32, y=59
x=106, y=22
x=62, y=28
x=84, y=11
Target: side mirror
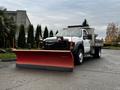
x=85, y=37
x=89, y=36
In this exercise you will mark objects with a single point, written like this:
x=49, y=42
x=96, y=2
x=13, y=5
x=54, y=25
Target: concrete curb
x=7, y=60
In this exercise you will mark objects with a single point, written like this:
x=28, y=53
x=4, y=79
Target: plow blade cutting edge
x=45, y=59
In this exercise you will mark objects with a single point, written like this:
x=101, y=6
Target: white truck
x=80, y=40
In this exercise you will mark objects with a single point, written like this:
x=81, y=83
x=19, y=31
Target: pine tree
x=3, y=29
x=12, y=33
x=85, y=23
x=21, y=37
x=45, y=34
x=2, y=33
x=38, y=35
x=51, y=33
x=7, y=27
x=30, y=39
x=56, y=32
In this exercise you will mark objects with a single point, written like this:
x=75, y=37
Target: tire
x=97, y=53
x=79, y=57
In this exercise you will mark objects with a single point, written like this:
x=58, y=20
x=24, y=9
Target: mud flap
x=61, y=60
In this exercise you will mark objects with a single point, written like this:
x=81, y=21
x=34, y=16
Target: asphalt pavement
x=93, y=74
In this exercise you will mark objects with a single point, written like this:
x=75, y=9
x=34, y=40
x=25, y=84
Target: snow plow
x=62, y=52
x=45, y=59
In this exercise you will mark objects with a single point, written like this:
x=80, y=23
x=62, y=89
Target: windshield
x=70, y=33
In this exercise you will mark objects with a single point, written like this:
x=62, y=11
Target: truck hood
x=70, y=39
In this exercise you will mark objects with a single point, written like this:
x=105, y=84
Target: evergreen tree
x=12, y=33
x=4, y=30
x=21, y=37
x=30, y=39
x=6, y=25
x=56, y=32
x=51, y=33
x=85, y=23
x=2, y=33
x=38, y=35
x=45, y=34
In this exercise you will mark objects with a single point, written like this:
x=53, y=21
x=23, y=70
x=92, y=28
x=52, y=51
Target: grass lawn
x=7, y=56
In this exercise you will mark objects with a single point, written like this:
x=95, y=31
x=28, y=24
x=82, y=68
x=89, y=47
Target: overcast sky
x=57, y=14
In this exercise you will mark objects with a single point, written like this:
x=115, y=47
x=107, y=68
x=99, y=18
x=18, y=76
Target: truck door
x=86, y=42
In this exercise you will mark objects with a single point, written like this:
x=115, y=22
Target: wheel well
x=77, y=47
x=81, y=47
x=75, y=52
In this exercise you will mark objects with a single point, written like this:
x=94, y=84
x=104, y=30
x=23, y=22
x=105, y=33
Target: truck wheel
x=79, y=57
x=97, y=53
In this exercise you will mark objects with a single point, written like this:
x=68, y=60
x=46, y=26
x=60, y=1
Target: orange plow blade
x=45, y=59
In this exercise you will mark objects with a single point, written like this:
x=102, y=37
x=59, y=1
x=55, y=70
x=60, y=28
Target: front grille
x=57, y=45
